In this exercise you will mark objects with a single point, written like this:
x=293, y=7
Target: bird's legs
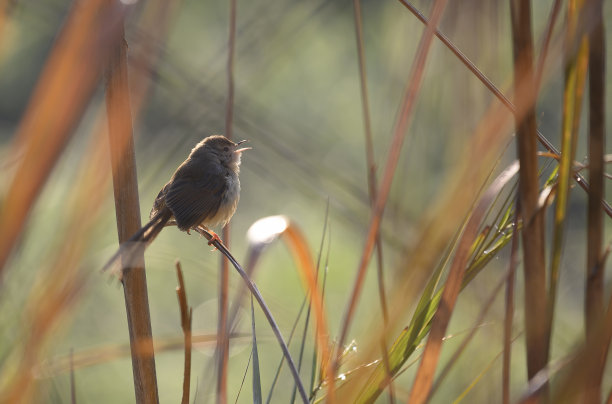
x=214, y=237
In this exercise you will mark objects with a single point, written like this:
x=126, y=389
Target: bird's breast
x=229, y=202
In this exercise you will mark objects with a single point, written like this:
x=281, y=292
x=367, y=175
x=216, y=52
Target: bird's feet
x=206, y=232
x=214, y=238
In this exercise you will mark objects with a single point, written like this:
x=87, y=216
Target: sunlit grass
x=305, y=184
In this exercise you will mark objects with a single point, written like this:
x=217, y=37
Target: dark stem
x=533, y=221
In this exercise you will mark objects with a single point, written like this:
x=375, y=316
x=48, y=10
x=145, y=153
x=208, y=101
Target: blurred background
x=297, y=101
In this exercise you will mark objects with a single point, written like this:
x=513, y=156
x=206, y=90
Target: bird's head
x=222, y=148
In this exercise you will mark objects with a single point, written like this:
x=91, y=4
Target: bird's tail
x=131, y=252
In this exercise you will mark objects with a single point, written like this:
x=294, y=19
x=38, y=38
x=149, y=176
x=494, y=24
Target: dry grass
x=485, y=213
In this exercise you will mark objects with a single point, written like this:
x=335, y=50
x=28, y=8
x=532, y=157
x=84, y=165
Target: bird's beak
x=242, y=149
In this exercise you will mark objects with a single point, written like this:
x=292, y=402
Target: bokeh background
x=297, y=101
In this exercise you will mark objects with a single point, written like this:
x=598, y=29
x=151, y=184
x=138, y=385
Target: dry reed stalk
x=222, y=352
x=594, y=293
x=127, y=208
x=372, y=186
x=529, y=189
x=597, y=106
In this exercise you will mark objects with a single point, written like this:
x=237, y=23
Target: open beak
x=242, y=149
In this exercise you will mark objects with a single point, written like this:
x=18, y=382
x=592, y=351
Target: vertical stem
x=229, y=106
x=594, y=293
x=550, y=25
x=597, y=104
x=371, y=175
x=127, y=207
x=533, y=221
x=223, y=332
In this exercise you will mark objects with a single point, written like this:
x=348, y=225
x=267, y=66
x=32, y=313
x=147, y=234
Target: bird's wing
x=193, y=198
x=160, y=201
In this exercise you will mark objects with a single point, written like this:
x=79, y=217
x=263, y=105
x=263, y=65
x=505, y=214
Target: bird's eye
x=226, y=148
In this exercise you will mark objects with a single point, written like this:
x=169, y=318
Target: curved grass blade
x=255, y=291
x=264, y=232
x=308, y=311
x=256, y=374
x=282, y=360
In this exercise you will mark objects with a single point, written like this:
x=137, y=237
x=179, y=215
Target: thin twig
x=372, y=185
x=107, y=353
x=223, y=344
x=244, y=375
x=550, y=25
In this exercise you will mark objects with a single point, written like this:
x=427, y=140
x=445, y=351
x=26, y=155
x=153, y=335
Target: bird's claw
x=214, y=237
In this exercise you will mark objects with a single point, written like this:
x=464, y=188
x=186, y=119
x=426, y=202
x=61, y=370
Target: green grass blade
x=575, y=77
x=411, y=336
x=257, y=399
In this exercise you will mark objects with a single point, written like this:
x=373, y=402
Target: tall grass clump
x=423, y=217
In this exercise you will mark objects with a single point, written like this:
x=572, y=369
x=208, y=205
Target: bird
x=202, y=193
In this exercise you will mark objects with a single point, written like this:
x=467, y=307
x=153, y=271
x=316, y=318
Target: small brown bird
x=203, y=193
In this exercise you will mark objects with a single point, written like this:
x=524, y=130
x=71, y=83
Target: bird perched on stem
x=203, y=193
